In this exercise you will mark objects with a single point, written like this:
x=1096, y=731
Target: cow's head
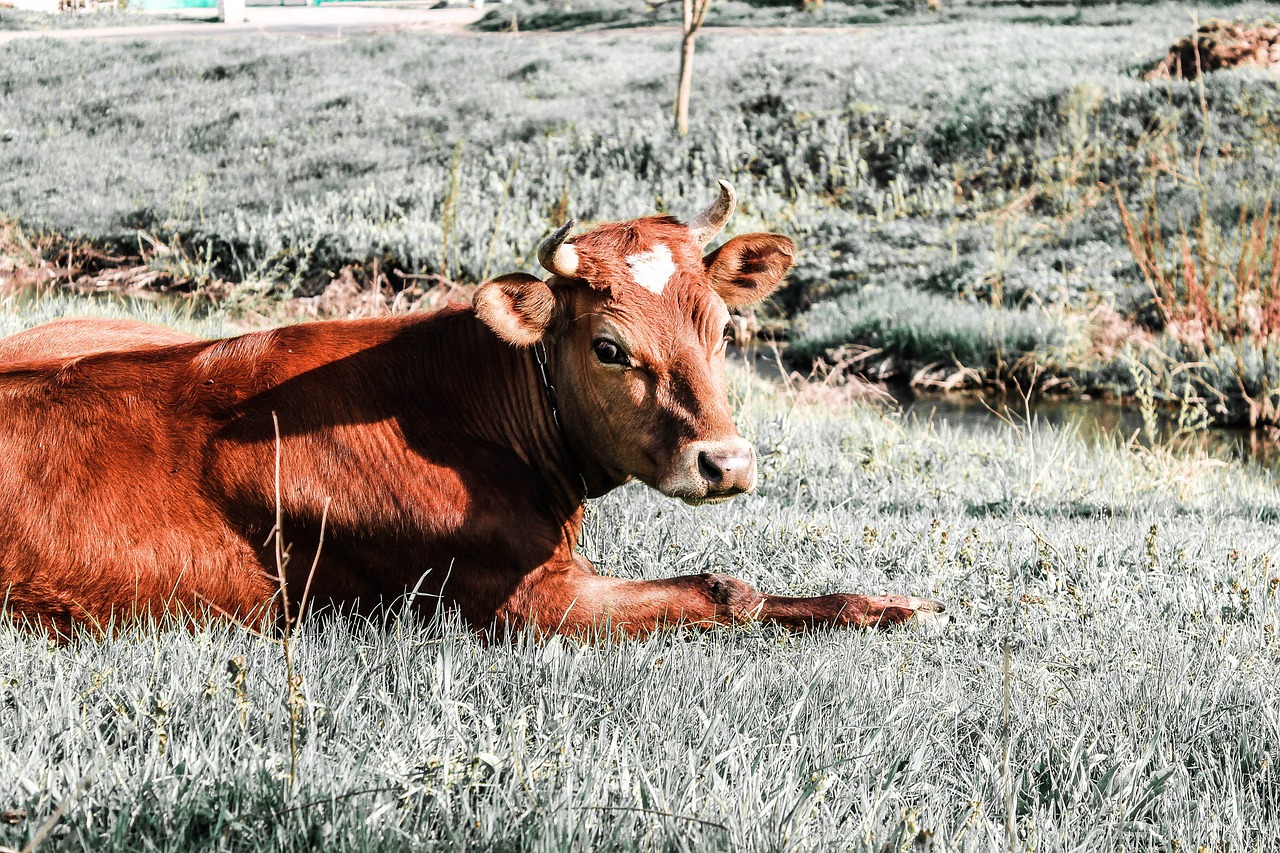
x=635, y=320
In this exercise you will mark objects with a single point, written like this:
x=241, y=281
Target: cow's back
x=79, y=336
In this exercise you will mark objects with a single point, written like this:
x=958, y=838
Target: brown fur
x=136, y=472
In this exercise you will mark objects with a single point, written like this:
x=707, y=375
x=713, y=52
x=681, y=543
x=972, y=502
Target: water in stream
x=1093, y=420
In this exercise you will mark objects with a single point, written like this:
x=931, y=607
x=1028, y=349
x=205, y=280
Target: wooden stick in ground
x=285, y=643
x=694, y=12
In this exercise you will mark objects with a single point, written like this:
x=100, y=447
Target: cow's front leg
x=572, y=599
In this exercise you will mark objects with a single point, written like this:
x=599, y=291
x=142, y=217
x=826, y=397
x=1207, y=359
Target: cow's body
x=429, y=448
x=164, y=461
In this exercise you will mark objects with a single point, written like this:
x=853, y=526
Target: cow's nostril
x=711, y=468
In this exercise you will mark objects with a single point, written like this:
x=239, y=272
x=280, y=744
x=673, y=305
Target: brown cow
x=453, y=450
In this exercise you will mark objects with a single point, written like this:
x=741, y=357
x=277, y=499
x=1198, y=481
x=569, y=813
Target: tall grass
x=1214, y=283
x=24, y=311
x=100, y=16
x=308, y=157
x=589, y=15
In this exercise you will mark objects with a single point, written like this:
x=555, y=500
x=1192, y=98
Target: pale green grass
x=960, y=160
x=23, y=311
x=1137, y=590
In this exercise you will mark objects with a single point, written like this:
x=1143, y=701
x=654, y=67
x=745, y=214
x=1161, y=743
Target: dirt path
x=337, y=21
x=313, y=22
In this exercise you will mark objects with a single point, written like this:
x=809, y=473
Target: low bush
x=921, y=328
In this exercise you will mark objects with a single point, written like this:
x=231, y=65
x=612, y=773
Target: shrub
x=923, y=328
x=1217, y=293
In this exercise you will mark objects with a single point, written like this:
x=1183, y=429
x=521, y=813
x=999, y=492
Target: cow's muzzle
x=709, y=471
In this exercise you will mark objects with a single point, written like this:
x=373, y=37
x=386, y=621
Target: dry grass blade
x=42, y=832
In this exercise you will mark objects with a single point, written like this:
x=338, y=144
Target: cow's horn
x=710, y=222
x=557, y=256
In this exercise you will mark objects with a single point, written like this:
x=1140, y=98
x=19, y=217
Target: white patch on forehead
x=652, y=269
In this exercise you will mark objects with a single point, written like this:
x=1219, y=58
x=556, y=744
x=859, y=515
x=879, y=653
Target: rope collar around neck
x=540, y=356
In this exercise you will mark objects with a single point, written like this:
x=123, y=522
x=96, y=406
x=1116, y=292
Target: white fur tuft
x=652, y=269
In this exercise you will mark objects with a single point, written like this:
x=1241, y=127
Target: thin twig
x=689, y=818
x=1006, y=734
x=279, y=530
x=285, y=644
x=338, y=798
x=306, y=590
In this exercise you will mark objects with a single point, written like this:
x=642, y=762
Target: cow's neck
x=595, y=479
x=500, y=396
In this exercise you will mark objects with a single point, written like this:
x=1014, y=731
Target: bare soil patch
x=1217, y=45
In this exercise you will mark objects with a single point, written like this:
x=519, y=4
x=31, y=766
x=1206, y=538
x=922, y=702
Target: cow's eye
x=729, y=332
x=609, y=352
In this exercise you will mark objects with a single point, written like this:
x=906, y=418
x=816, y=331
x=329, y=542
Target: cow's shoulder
x=308, y=363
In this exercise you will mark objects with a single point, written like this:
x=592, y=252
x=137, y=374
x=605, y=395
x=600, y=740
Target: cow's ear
x=517, y=307
x=750, y=267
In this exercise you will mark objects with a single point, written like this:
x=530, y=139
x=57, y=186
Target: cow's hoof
x=929, y=621
x=887, y=611
x=926, y=615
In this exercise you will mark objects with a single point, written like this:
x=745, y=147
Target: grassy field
x=1134, y=589
x=974, y=159
x=952, y=182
